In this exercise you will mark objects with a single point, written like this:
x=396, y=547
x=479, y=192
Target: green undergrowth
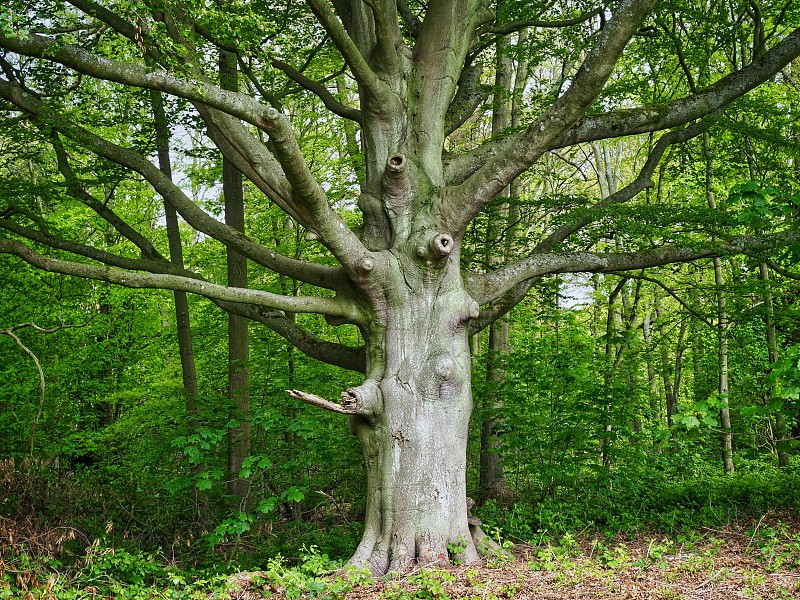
x=106, y=572
x=668, y=501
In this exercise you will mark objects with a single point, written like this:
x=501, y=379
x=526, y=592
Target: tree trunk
x=238, y=341
x=492, y=473
x=781, y=431
x=722, y=329
x=188, y=368
x=414, y=414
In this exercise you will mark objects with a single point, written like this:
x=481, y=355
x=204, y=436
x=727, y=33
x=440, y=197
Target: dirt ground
x=753, y=558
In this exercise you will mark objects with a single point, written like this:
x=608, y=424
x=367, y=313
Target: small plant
x=456, y=550
x=428, y=584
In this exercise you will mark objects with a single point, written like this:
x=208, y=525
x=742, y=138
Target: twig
x=10, y=333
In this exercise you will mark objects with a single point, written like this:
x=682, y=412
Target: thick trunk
x=414, y=417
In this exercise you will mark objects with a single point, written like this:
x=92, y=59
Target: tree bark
x=414, y=410
x=238, y=340
x=188, y=368
x=782, y=434
x=492, y=472
x=722, y=325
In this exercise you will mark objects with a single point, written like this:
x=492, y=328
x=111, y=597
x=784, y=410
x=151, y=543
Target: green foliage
x=427, y=584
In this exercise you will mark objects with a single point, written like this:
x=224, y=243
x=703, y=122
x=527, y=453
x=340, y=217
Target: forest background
x=663, y=399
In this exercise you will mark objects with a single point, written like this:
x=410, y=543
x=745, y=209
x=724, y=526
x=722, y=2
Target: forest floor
x=750, y=557
x=753, y=558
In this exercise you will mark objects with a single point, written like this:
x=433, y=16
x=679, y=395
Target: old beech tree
x=416, y=75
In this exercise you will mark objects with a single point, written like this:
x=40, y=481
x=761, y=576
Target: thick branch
x=127, y=73
x=361, y=70
x=646, y=118
x=314, y=274
x=302, y=304
x=439, y=57
x=521, y=151
x=346, y=357
x=631, y=190
x=331, y=229
x=494, y=285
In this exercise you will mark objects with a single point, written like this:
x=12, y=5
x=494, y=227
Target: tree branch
x=331, y=103
x=329, y=226
x=77, y=191
x=669, y=291
x=409, y=18
x=631, y=190
x=492, y=286
x=692, y=107
x=337, y=307
x=362, y=72
x=346, y=357
x=126, y=73
x=319, y=275
x=646, y=118
x=513, y=26
x=315, y=400
x=107, y=258
x=520, y=151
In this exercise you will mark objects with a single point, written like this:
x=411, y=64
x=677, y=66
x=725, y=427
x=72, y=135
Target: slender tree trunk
x=722, y=327
x=188, y=368
x=781, y=431
x=238, y=342
x=492, y=473
x=652, y=380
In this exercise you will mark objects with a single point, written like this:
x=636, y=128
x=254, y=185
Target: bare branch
x=315, y=400
x=302, y=304
x=33, y=356
x=76, y=190
x=513, y=26
x=669, y=291
x=409, y=18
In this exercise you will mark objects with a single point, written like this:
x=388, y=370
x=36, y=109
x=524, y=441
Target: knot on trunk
x=399, y=185
x=365, y=399
x=436, y=246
